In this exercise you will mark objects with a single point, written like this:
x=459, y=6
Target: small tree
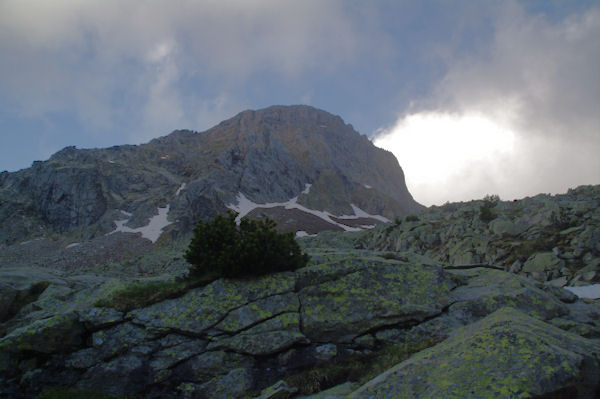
x=486, y=211
x=251, y=249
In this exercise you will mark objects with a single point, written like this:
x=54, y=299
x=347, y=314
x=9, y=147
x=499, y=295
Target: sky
x=473, y=97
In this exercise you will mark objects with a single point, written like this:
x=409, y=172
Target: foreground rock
x=507, y=354
x=234, y=338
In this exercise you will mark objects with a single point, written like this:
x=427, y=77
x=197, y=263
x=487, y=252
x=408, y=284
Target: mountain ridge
x=268, y=155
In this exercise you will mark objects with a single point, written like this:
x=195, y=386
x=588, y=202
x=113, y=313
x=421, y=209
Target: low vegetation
x=486, y=211
x=253, y=248
x=140, y=294
x=412, y=218
x=219, y=248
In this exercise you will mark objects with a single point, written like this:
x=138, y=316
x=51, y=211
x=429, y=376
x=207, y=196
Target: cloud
x=132, y=65
x=537, y=80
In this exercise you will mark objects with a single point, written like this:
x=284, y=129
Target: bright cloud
x=518, y=118
x=447, y=155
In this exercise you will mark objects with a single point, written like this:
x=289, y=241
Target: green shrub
x=486, y=211
x=253, y=248
x=486, y=214
x=412, y=218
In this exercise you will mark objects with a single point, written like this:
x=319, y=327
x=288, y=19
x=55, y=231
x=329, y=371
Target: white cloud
x=538, y=82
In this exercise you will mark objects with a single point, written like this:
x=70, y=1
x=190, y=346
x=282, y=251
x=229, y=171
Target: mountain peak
x=267, y=156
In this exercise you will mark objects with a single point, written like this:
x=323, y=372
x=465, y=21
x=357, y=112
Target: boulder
x=124, y=375
x=203, y=308
x=505, y=227
x=488, y=290
x=541, y=262
x=506, y=354
x=56, y=334
x=380, y=293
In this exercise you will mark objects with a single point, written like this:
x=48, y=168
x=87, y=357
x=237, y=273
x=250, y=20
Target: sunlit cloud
x=519, y=118
x=448, y=155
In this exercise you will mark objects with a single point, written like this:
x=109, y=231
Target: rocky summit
x=302, y=166
x=482, y=299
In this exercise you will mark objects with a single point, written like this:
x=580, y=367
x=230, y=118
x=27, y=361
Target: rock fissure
x=473, y=266
x=233, y=309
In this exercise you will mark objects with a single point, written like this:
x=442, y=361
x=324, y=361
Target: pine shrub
x=253, y=248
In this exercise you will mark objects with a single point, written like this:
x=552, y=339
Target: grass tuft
x=141, y=294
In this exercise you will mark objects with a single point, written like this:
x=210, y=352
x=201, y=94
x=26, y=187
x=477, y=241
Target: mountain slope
x=266, y=156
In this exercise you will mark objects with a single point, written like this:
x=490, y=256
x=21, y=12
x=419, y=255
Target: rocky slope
x=390, y=312
x=553, y=239
x=488, y=331
x=263, y=157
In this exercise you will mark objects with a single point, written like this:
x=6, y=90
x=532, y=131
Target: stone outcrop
x=506, y=354
x=234, y=338
x=547, y=238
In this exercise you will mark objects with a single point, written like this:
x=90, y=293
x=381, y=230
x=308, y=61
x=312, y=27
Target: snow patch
x=30, y=241
x=303, y=233
x=359, y=213
x=111, y=161
x=164, y=157
x=244, y=206
x=367, y=186
x=586, y=291
x=73, y=245
x=179, y=189
x=152, y=230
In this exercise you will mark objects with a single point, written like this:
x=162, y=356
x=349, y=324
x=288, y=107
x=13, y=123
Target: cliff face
x=269, y=156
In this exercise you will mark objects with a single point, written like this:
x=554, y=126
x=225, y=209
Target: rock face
x=548, y=238
x=269, y=156
x=491, y=334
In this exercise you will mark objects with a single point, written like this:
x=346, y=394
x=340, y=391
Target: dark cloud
x=156, y=65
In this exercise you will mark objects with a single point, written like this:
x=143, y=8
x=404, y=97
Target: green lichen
x=507, y=354
x=362, y=294
x=202, y=308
